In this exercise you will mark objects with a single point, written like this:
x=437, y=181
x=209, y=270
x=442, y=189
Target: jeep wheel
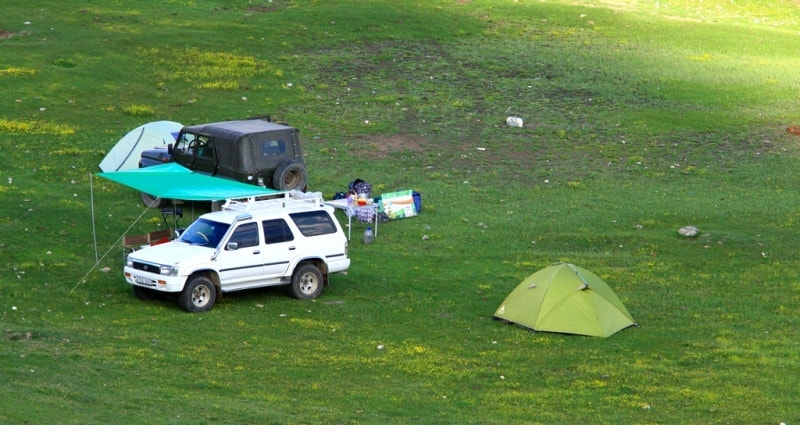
x=198, y=295
x=290, y=176
x=306, y=282
x=151, y=201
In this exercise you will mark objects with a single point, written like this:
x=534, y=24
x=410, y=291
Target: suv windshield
x=204, y=233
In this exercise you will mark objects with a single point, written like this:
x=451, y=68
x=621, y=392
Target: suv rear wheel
x=306, y=282
x=198, y=295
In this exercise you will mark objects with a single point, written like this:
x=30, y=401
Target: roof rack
x=293, y=200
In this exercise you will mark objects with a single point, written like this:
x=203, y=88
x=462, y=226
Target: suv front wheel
x=198, y=295
x=306, y=282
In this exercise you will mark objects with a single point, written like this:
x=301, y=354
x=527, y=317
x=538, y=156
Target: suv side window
x=245, y=235
x=277, y=231
x=314, y=223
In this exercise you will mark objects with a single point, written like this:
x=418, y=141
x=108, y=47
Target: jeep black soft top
x=256, y=151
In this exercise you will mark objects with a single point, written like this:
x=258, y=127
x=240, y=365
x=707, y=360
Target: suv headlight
x=169, y=270
x=128, y=261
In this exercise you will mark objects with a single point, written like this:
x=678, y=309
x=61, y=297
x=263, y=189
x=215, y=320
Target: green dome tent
x=567, y=299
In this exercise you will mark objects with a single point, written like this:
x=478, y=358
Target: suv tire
x=198, y=295
x=306, y=283
x=290, y=175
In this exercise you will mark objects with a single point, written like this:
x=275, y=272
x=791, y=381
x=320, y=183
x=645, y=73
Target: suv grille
x=150, y=268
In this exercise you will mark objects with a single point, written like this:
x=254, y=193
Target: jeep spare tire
x=290, y=176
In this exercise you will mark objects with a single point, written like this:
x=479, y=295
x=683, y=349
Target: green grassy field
x=640, y=118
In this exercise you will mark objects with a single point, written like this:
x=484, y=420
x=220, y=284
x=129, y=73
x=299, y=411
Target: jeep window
x=205, y=148
x=276, y=231
x=204, y=233
x=314, y=223
x=245, y=235
x=188, y=143
x=273, y=147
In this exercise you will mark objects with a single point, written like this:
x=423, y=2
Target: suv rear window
x=314, y=223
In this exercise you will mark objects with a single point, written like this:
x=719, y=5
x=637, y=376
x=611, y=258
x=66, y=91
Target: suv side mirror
x=170, y=148
x=232, y=246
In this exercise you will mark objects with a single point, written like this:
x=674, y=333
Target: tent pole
x=94, y=229
x=97, y=263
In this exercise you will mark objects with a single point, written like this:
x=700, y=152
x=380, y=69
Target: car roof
x=233, y=130
x=227, y=217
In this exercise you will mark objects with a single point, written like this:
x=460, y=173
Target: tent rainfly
x=568, y=299
x=125, y=154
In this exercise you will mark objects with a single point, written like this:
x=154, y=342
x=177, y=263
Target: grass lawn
x=640, y=118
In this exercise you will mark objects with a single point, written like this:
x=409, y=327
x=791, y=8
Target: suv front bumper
x=154, y=281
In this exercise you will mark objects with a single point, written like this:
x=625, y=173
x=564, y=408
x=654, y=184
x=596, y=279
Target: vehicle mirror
x=170, y=148
x=233, y=246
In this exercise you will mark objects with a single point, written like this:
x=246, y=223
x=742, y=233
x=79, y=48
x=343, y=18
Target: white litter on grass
x=514, y=121
x=688, y=231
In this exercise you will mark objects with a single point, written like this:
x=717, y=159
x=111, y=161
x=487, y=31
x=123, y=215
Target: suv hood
x=177, y=252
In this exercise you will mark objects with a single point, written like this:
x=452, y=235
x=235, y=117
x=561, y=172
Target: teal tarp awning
x=173, y=181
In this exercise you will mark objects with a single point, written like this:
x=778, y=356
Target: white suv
x=248, y=244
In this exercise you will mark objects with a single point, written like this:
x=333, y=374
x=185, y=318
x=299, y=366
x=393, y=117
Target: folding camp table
x=350, y=210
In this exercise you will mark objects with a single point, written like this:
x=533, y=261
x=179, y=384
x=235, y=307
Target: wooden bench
x=158, y=237
x=131, y=243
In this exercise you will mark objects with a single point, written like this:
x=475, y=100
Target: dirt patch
x=272, y=6
x=381, y=146
x=5, y=35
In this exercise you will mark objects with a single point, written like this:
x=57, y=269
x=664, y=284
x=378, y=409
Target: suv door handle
x=256, y=252
x=292, y=248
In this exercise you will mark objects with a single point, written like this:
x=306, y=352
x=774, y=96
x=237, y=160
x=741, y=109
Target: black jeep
x=256, y=151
